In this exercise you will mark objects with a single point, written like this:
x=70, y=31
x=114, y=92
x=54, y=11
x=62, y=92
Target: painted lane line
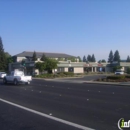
x=47, y=116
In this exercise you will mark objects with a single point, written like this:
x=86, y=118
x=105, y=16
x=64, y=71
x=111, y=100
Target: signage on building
x=100, y=65
x=87, y=65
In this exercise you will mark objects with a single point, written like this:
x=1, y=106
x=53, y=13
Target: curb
x=102, y=83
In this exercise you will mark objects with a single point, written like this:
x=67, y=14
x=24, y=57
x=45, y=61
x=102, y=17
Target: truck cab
x=17, y=77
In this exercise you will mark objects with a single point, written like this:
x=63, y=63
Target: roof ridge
x=45, y=52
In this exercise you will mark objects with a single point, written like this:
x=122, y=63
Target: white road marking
x=47, y=116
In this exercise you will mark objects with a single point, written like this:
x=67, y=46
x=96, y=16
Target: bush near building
x=60, y=74
x=115, y=78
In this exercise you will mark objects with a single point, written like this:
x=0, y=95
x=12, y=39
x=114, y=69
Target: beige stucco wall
x=78, y=70
x=19, y=59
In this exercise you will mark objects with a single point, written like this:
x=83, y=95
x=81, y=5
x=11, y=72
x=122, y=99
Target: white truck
x=17, y=77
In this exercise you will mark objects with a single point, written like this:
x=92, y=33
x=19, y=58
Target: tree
x=61, y=59
x=34, y=57
x=23, y=62
x=116, y=56
x=3, y=64
x=128, y=59
x=93, y=58
x=100, y=61
x=72, y=59
x=50, y=64
x=128, y=70
x=89, y=58
x=43, y=58
x=116, y=68
x=84, y=59
x=103, y=61
x=79, y=59
x=40, y=66
x=110, y=59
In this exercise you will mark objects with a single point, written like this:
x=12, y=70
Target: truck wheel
x=4, y=81
x=15, y=82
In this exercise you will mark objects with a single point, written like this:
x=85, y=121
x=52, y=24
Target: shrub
x=99, y=79
x=114, y=77
x=128, y=70
x=127, y=76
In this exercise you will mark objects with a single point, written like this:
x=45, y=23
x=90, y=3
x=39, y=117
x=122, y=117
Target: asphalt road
x=94, y=106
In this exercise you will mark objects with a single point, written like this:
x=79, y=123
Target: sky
x=75, y=27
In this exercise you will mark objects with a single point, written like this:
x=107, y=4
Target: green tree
x=60, y=59
x=72, y=59
x=43, y=58
x=103, y=61
x=34, y=57
x=40, y=66
x=110, y=58
x=79, y=59
x=128, y=59
x=3, y=63
x=116, y=56
x=23, y=63
x=117, y=67
x=89, y=58
x=100, y=61
x=84, y=59
x=93, y=58
x=51, y=64
x=128, y=70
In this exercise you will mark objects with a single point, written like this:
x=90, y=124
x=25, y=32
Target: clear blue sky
x=76, y=27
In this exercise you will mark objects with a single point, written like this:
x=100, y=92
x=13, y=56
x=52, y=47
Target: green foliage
x=79, y=59
x=128, y=70
x=51, y=64
x=116, y=67
x=3, y=62
x=89, y=58
x=43, y=58
x=60, y=74
x=93, y=58
x=23, y=63
x=127, y=76
x=60, y=59
x=103, y=61
x=72, y=59
x=116, y=56
x=84, y=59
x=68, y=73
x=40, y=66
x=114, y=77
x=110, y=59
x=128, y=59
x=34, y=57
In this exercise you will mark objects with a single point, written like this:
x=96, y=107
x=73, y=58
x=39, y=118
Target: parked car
x=119, y=72
x=17, y=77
x=2, y=75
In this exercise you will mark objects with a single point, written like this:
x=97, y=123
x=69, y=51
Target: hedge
x=116, y=77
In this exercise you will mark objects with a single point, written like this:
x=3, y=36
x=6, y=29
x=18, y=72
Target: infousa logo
x=122, y=125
